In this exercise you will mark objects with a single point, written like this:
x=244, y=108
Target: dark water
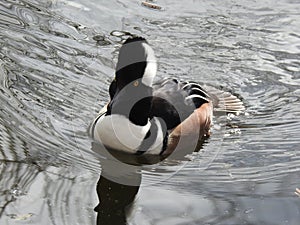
x=56, y=61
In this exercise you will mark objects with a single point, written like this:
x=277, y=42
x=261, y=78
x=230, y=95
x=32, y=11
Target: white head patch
x=151, y=67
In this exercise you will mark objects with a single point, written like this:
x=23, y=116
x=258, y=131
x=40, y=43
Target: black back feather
x=174, y=100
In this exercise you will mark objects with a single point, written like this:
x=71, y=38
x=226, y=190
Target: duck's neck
x=133, y=102
x=140, y=112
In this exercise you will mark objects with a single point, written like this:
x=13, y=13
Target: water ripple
x=57, y=60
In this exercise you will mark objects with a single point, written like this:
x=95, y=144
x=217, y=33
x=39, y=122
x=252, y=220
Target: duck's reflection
x=116, y=188
x=120, y=181
x=116, y=201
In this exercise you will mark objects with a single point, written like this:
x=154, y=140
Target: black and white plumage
x=175, y=100
x=146, y=118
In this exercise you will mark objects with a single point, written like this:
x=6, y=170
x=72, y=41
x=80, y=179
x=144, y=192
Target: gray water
x=57, y=58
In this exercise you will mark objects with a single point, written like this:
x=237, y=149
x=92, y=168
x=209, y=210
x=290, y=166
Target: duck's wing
x=174, y=101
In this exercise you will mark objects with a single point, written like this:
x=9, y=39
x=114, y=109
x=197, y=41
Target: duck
x=143, y=117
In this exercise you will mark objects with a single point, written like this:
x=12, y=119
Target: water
x=56, y=61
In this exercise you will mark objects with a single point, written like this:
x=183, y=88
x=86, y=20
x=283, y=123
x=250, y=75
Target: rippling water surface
x=57, y=58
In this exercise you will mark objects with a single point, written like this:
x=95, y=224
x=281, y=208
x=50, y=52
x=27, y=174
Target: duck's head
x=136, y=62
x=132, y=87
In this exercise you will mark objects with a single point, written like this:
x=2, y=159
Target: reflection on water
x=56, y=61
x=115, y=201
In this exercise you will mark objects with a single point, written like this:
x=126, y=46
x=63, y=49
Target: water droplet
x=230, y=116
x=16, y=192
x=247, y=211
x=235, y=131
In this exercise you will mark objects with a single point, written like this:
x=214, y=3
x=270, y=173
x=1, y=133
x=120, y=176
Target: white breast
x=117, y=132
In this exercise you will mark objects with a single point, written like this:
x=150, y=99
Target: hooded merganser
x=146, y=118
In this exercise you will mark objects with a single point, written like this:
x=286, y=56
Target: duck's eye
x=136, y=83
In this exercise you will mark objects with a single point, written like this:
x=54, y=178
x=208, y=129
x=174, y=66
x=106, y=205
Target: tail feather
x=224, y=101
